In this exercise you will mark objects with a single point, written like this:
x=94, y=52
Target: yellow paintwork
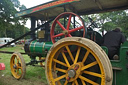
x=77, y=55
x=70, y=53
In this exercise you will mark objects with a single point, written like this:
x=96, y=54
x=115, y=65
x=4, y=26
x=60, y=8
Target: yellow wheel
x=88, y=65
x=18, y=66
x=42, y=63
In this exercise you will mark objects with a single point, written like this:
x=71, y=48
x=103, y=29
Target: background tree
x=108, y=21
x=10, y=26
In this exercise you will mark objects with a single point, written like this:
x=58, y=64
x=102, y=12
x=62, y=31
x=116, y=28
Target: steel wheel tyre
x=89, y=65
x=17, y=65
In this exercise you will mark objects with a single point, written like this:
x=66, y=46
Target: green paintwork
x=40, y=47
x=105, y=49
x=120, y=73
x=121, y=76
x=32, y=45
x=44, y=7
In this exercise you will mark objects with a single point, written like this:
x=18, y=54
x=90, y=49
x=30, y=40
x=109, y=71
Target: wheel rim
x=75, y=70
x=18, y=67
x=65, y=31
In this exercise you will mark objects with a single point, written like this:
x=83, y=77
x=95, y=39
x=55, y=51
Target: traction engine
x=72, y=53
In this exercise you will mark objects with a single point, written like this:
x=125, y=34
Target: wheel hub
x=71, y=73
x=65, y=32
x=74, y=72
x=14, y=66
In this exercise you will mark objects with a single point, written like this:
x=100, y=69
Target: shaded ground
x=9, y=80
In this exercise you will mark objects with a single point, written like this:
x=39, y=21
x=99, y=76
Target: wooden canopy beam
x=98, y=4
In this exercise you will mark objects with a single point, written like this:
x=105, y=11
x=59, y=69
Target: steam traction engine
x=72, y=53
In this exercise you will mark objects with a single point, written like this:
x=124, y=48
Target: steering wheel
x=58, y=30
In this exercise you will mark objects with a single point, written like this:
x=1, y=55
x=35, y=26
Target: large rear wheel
x=88, y=65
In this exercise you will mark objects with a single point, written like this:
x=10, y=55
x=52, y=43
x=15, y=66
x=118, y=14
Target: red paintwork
x=52, y=4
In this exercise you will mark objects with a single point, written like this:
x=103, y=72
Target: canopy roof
x=81, y=7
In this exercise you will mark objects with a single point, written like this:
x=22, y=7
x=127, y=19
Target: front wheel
x=17, y=65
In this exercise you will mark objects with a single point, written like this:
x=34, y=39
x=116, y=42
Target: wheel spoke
x=73, y=83
x=65, y=58
x=59, y=62
x=85, y=57
x=58, y=83
x=66, y=82
x=14, y=70
x=83, y=83
x=61, y=70
x=76, y=82
x=75, y=29
x=58, y=35
x=93, y=74
x=70, y=53
x=58, y=78
x=89, y=65
x=19, y=67
x=14, y=62
x=77, y=54
x=88, y=80
x=69, y=21
x=65, y=35
x=63, y=28
x=69, y=35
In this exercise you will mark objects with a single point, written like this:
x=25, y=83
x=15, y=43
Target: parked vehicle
x=6, y=40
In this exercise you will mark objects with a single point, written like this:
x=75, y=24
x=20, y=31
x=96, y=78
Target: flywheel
x=17, y=65
x=88, y=65
x=60, y=29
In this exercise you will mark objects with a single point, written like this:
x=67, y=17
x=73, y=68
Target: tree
x=9, y=24
x=110, y=20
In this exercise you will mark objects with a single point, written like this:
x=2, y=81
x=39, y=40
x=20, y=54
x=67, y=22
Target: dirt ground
x=10, y=80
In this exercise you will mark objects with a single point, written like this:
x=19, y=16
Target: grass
x=34, y=75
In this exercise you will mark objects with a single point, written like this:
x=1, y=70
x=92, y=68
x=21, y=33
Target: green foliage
x=86, y=20
x=108, y=26
x=110, y=20
x=10, y=26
